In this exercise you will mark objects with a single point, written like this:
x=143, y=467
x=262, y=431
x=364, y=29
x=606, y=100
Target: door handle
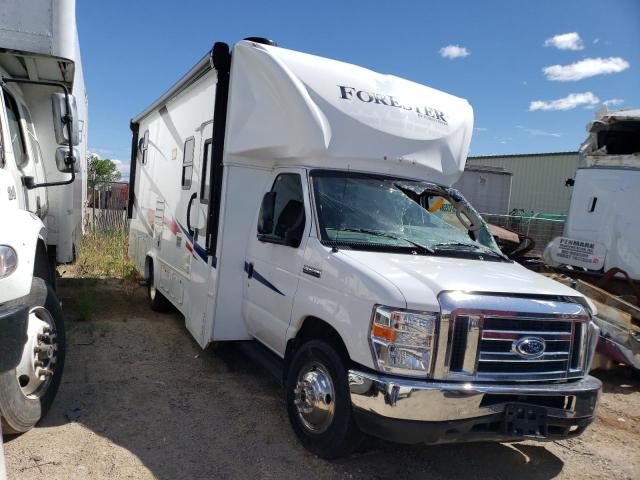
x=191, y=230
x=250, y=270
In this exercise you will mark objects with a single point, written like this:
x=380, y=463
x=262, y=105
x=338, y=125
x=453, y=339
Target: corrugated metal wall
x=538, y=179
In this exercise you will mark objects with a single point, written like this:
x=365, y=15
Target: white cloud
x=480, y=129
x=102, y=152
x=538, y=133
x=123, y=168
x=569, y=102
x=565, y=41
x=596, y=40
x=454, y=51
x=613, y=102
x=586, y=68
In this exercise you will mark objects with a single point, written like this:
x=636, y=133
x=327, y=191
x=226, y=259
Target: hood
x=422, y=278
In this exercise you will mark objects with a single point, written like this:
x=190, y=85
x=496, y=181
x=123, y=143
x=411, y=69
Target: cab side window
x=17, y=140
x=288, y=211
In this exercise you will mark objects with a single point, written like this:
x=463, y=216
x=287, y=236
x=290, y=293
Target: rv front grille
x=495, y=344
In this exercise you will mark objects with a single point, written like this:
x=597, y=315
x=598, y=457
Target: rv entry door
x=196, y=178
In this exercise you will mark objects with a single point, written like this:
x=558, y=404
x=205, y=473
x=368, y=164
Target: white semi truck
x=43, y=124
x=303, y=206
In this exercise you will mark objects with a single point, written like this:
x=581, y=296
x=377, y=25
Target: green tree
x=102, y=170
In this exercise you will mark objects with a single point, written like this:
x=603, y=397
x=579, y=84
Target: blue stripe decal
x=262, y=280
x=196, y=248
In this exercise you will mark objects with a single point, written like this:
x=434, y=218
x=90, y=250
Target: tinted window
x=187, y=163
x=17, y=141
x=288, y=213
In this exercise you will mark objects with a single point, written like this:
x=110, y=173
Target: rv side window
x=187, y=162
x=145, y=147
x=206, y=172
x=17, y=140
x=288, y=211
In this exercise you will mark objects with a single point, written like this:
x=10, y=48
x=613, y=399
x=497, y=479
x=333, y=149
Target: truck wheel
x=27, y=391
x=157, y=300
x=318, y=402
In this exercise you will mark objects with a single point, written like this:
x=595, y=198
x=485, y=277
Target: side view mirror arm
x=28, y=181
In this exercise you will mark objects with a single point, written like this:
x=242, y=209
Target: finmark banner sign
x=579, y=253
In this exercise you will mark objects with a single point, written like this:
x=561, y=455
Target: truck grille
x=490, y=341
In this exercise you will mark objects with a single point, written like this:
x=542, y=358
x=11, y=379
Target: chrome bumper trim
x=429, y=401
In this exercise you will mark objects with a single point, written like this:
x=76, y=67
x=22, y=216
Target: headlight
x=8, y=261
x=403, y=340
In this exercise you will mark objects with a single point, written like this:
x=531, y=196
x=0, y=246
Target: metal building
x=538, y=182
x=487, y=188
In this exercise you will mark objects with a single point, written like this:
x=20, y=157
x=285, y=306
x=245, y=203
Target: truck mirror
x=61, y=116
x=65, y=163
x=265, y=218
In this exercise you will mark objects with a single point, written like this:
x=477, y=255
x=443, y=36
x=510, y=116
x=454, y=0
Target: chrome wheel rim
x=40, y=355
x=314, y=397
x=152, y=291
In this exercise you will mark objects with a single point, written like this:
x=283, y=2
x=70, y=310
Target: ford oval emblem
x=529, y=347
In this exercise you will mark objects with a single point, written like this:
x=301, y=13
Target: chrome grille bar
x=481, y=337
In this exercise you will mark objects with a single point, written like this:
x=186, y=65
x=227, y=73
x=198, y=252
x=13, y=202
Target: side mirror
x=66, y=164
x=61, y=116
x=265, y=218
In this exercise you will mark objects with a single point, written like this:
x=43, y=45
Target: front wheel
x=27, y=391
x=318, y=402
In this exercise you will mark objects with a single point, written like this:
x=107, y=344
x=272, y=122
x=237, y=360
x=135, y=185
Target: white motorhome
x=602, y=228
x=43, y=123
x=303, y=205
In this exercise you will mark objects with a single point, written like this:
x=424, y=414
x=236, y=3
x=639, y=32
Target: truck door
x=26, y=151
x=272, y=267
x=200, y=287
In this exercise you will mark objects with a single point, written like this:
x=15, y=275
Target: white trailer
x=303, y=205
x=602, y=229
x=43, y=137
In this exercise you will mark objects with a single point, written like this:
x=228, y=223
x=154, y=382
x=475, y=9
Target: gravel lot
x=139, y=399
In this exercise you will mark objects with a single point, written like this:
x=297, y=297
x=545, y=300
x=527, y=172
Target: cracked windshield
x=373, y=210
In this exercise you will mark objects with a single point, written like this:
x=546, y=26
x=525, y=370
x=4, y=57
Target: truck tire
x=27, y=391
x=318, y=402
x=157, y=301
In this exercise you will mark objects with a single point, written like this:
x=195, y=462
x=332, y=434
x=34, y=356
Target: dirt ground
x=140, y=399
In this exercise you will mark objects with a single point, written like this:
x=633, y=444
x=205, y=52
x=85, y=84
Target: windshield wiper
x=420, y=246
x=468, y=247
x=456, y=244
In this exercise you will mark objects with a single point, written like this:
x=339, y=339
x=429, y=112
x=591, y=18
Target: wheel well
x=148, y=265
x=42, y=266
x=314, y=328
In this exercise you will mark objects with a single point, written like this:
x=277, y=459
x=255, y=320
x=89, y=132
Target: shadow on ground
x=136, y=380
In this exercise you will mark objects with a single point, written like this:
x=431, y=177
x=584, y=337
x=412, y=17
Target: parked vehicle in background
x=43, y=121
x=599, y=249
x=303, y=205
x=602, y=231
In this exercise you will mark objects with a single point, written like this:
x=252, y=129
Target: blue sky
x=533, y=87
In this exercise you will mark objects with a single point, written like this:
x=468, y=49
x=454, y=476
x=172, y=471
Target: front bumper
x=13, y=335
x=418, y=411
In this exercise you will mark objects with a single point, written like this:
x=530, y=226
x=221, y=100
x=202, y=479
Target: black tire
x=342, y=435
x=157, y=301
x=19, y=412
